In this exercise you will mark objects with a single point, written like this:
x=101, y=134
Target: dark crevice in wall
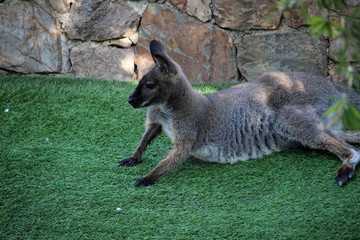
x=135, y=75
x=7, y=71
x=139, y=24
x=118, y=46
x=238, y=76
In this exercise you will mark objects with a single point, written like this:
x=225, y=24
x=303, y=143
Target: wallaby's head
x=155, y=87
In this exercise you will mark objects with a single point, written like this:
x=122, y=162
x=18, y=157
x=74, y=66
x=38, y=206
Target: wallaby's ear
x=156, y=47
x=161, y=58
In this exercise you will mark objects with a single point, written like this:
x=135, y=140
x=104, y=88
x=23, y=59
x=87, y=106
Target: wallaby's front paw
x=345, y=173
x=143, y=182
x=129, y=162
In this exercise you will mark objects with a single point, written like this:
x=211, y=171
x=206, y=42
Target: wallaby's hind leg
x=306, y=127
x=151, y=132
x=349, y=137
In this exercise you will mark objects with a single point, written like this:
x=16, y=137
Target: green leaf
x=304, y=11
x=351, y=118
x=345, y=114
x=354, y=110
x=339, y=4
x=317, y=26
x=333, y=109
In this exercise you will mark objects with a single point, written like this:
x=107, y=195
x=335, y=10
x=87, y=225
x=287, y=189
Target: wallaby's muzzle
x=136, y=99
x=133, y=101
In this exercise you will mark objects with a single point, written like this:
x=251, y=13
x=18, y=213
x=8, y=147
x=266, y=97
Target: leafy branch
x=346, y=29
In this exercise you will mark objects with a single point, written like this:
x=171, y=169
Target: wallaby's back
x=299, y=88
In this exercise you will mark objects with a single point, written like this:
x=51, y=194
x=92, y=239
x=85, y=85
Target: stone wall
x=213, y=40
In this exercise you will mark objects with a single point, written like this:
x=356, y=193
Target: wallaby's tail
x=353, y=95
x=355, y=99
x=348, y=136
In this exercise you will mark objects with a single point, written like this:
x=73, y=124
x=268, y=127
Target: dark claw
x=129, y=162
x=341, y=180
x=344, y=175
x=143, y=182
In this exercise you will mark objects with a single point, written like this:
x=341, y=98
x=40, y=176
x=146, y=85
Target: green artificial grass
x=60, y=143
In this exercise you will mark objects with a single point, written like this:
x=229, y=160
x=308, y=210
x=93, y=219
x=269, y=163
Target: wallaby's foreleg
x=178, y=154
x=151, y=132
x=305, y=127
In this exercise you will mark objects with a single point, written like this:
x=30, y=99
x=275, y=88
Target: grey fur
x=276, y=112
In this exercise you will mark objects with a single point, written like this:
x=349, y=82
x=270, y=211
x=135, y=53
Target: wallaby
x=276, y=112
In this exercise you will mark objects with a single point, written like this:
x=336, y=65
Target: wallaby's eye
x=150, y=86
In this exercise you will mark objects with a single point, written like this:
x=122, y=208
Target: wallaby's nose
x=131, y=100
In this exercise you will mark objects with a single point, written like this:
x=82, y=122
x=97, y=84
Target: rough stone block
x=101, y=61
x=288, y=52
x=295, y=18
x=246, y=14
x=196, y=8
x=202, y=50
x=30, y=41
x=101, y=20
